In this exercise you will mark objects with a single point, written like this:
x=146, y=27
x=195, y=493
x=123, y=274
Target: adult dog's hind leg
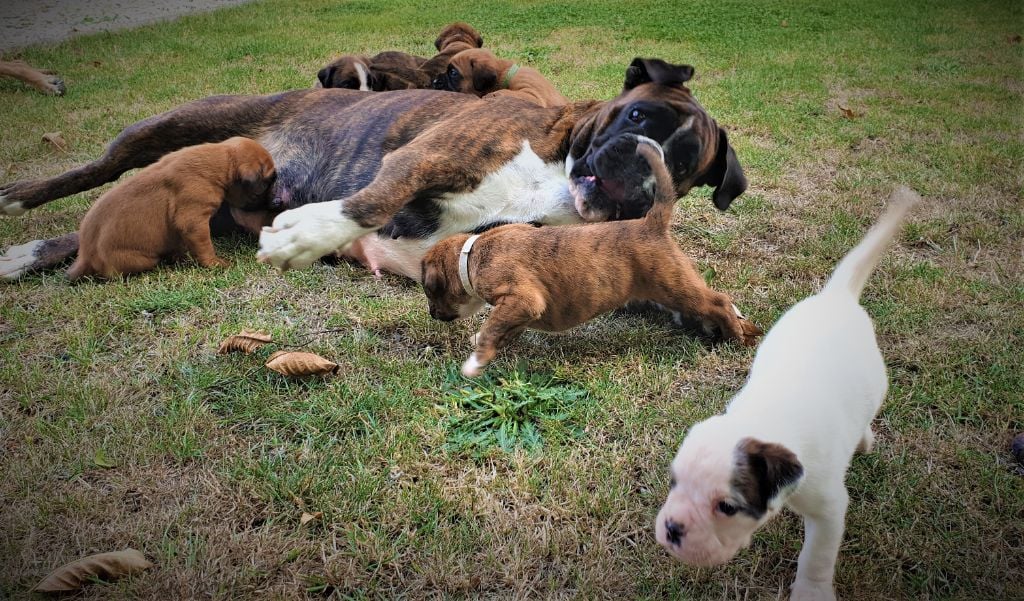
x=37, y=255
x=208, y=120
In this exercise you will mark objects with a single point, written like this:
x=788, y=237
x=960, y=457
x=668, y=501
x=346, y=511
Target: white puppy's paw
x=811, y=590
x=10, y=207
x=18, y=260
x=472, y=367
x=301, y=236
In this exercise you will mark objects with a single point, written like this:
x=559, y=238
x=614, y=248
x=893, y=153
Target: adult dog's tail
x=660, y=215
x=855, y=268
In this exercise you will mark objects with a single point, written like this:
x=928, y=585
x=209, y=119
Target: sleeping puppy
x=554, y=278
x=787, y=438
x=164, y=211
x=453, y=39
x=390, y=70
x=478, y=71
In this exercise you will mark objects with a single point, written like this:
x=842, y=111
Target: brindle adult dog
x=402, y=170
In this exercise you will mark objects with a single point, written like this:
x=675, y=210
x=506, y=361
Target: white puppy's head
x=724, y=487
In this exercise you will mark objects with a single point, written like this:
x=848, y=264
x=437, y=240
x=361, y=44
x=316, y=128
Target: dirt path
x=26, y=22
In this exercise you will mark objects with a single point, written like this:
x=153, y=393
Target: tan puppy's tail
x=854, y=270
x=660, y=215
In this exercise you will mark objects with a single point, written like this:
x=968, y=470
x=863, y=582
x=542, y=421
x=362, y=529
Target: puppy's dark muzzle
x=443, y=315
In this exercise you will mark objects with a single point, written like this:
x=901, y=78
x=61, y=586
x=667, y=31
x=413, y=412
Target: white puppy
x=786, y=439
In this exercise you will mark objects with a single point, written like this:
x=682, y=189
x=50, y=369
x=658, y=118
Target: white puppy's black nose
x=674, y=532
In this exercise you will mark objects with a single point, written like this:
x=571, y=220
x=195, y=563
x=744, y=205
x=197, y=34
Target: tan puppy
x=478, y=71
x=554, y=278
x=453, y=39
x=164, y=211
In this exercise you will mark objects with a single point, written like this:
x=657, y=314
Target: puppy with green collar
x=557, y=277
x=478, y=71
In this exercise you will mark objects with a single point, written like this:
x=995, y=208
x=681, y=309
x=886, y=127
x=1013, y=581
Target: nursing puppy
x=478, y=71
x=390, y=70
x=164, y=211
x=453, y=39
x=553, y=278
x=787, y=438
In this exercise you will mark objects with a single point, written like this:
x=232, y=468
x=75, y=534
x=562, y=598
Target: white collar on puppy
x=464, y=265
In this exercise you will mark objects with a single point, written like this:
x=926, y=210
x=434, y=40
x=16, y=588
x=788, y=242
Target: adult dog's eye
x=727, y=508
x=636, y=116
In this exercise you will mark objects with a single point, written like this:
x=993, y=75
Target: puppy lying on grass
x=786, y=439
x=164, y=211
x=554, y=278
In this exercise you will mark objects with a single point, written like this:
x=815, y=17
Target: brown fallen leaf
x=784, y=23
x=246, y=341
x=56, y=139
x=847, y=112
x=297, y=363
x=309, y=517
x=105, y=566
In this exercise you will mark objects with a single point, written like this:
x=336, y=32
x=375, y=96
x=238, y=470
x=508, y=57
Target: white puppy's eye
x=727, y=508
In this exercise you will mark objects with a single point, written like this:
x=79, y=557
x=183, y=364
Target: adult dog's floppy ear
x=644, y=70
x=325, y=75
x=761, y=472
x=485, y=77
x=725, y=174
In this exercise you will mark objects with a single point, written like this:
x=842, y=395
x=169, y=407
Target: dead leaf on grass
x=103, y=566
x=848, y=112
x=246, y=341
x=784, y=23
x=309, y=517
x=56, y=139
x=297, y=363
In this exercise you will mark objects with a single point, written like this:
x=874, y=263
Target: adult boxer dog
x=402, y=170
x=787, y=438
x=478, y=71
x=390, y=70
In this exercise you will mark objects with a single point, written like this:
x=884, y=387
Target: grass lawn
x=208, y=463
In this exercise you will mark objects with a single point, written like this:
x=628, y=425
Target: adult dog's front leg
x=823, y=534
x=301, y=236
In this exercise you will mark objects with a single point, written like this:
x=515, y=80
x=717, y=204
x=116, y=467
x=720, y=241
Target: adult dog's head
x=607, y=176
x=724, y=486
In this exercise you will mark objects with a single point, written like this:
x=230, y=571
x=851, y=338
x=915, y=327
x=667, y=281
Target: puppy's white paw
x=18, y=260
x=301, y=236
x=472, y=367
x=9, y=207
x=810, y=590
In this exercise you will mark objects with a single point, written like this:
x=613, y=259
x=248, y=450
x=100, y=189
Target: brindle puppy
x=390, y=70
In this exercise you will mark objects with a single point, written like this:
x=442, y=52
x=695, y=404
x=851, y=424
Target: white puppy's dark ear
x=762, y=470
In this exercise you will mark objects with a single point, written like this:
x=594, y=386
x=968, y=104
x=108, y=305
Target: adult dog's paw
x=301, y=236
x=10, y=204
x=811, y=590
x=19, y=260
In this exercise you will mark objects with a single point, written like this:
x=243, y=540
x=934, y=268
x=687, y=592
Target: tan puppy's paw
x=218, y=263
x=811, y=590
x=472, y=367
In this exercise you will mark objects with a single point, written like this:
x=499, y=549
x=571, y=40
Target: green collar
x=509, y=75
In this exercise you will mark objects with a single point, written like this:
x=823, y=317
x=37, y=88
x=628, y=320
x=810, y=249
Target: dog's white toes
x=56, y=85
x=301, y=236
x=18, y=260
x=13, y=208
x=472, y=367
x=809, y=590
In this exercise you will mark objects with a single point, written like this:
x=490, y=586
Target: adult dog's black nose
x=674, y=532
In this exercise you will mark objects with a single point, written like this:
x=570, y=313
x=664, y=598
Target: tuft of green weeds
x=507, y=411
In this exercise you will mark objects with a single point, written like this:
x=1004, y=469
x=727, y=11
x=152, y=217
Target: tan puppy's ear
x=249, y=189
x=485, y=77
x=762, y=471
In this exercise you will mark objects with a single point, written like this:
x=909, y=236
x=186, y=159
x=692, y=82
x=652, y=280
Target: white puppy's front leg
x=823, y=534
x=301, y=236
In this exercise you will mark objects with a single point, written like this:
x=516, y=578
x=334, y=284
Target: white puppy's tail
x=854, y=270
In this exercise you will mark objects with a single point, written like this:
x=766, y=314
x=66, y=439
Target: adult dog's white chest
x=525, y=189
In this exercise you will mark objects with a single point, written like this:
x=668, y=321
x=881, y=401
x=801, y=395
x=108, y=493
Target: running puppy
x=478, y=71
x=787, y=438
x=554, y=278
x=164, y=211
